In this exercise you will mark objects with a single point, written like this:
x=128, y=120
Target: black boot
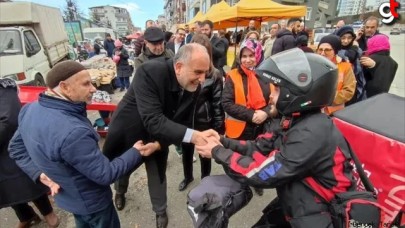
x=183, y=185
x=162, y=220
x=119, y=201
x=259, y=191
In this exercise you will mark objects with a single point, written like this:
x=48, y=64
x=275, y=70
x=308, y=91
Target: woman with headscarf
x=351, y=51
x=380, y=68
x=124, y=70
x=328, y=47
x=245, y=98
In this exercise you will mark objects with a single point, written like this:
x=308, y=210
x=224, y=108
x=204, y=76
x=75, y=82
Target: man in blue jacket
x=56, y=138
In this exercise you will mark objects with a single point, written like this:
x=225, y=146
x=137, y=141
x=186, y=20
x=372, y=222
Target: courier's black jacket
x=311, y=147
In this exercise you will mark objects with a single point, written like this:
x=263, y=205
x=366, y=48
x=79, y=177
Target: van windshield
x=10, y=43
x=93, y=35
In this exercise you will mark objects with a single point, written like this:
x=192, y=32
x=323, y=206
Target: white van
x=32, y=40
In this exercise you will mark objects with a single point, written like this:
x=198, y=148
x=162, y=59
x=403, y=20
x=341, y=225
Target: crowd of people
x=265, y=122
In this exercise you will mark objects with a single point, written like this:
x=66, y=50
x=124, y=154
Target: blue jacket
x=56, y=138
x=109, y=47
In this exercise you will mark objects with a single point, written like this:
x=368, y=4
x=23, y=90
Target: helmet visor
x=291, y=66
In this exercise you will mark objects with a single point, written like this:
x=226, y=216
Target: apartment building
x=117, y=18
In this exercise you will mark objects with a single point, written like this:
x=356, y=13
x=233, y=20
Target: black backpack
x=356, y=208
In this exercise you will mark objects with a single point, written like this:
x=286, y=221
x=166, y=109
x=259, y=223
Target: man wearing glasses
x=178, y=40
x=153, y=47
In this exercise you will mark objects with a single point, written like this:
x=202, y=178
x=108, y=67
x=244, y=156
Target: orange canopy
x=259, y=10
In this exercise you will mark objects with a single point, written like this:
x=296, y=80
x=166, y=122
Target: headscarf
x=255, y=47
x=379, y=42
x=255, y=99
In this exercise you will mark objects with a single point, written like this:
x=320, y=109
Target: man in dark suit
x=178, y=41
x=157, y=107
x=189, y=35
x=219, y=46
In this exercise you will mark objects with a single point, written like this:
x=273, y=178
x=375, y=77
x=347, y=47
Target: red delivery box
x=375, y=128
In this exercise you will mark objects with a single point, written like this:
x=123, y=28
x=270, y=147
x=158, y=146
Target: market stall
x=102, y=71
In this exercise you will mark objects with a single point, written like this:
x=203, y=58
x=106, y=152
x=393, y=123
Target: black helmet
x=307, y=81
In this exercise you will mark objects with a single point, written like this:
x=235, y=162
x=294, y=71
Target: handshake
x=205, y=141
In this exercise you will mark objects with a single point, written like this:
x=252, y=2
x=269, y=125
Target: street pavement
x=138, y=212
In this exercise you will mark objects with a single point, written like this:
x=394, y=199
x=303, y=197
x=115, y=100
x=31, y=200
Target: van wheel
x=39, y=80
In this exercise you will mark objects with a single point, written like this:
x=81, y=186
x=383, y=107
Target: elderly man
x=153, y=47
x=268, y=45
x=64, y=146
x=157, y=107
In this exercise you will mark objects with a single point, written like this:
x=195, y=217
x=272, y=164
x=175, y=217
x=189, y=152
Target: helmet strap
x=286, y=121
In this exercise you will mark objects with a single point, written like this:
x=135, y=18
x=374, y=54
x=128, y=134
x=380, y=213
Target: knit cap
x=333, y=40
x=62, y=71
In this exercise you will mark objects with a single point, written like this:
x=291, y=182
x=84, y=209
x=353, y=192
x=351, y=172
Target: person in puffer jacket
x=207, y=114
x=350, y=50
x=306, y=153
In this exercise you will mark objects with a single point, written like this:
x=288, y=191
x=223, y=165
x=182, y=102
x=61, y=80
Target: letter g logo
x=388, y=17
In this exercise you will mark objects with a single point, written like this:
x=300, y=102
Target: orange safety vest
x=235, y=127
x=342, y=69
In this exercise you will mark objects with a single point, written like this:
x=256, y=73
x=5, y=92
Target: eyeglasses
x=326, y=50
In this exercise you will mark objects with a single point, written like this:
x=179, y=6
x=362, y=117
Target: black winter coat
x=285, y=40
x=283, y=159
x=219, y=48
x=123, y=67
x=15, y=186
x=149, y=111
x=208, y=113
x=380, y=77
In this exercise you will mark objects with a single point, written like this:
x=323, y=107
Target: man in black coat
x=157, y=107
x=219, y=46
x=286, y=37
x=369, y=29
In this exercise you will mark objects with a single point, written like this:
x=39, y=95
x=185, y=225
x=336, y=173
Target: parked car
x=395, y=31
x=317, y=39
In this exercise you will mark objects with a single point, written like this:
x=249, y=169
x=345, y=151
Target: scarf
x=255, y=99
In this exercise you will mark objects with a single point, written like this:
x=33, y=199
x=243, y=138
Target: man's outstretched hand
x=206, y=150
x=202, y=137
x=54, y=187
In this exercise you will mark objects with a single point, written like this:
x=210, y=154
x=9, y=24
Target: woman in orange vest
x=245, y=97
x=346, y=86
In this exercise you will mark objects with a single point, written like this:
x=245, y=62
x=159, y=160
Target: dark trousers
x=106, y=218
x=188, y=152
x=25, y=212
x=124, y=82
x=156, y=165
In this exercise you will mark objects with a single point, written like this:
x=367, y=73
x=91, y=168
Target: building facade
x=352, y=7
x=114, y=17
